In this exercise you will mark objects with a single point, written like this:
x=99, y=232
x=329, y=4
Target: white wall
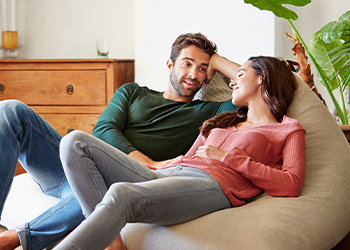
x=312, y=18
x=68, y=28
x=145, y=29
x=238, y=29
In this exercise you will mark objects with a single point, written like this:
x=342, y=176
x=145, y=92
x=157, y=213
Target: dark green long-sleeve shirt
x=138, y=118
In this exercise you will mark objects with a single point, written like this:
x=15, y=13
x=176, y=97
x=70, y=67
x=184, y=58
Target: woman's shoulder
x=291, y=123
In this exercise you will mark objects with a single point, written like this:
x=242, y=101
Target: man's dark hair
x=197, y=39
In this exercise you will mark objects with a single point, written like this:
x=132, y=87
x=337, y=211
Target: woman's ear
x=260, y=80
x=169, y=64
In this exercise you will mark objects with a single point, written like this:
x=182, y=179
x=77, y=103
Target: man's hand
x=161, y=164
x=140, y=157
x=209, y=151
x=211, y=68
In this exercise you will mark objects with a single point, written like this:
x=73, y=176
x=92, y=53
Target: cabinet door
x=64, y=123
x=55, y=87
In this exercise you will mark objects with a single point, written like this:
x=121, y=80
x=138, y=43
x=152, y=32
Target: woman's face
x=246, y=87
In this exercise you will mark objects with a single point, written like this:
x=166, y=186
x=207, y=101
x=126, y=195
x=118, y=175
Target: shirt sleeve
x=226, y=106
x=286, y=181
x=111, y=123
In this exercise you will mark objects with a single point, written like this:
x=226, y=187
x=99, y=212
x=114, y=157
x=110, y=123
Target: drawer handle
x=69, y=89
x=2, y=88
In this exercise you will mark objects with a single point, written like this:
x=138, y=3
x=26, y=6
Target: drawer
x=64, y=122
x=55, y=87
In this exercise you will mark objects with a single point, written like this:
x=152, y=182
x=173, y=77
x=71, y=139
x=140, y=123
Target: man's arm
x=223, y=65
x=112, y=122
x=144, y=159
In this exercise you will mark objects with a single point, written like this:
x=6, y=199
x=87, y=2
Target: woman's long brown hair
x=278, y=87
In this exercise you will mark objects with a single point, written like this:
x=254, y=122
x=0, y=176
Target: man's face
x=189, y=71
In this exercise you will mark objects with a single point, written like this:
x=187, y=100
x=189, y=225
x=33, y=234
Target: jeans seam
x=39, y=132
x=11, y=174
x=181, y=193
x=114, y=158
x=156, y=196
x=117, y=160
x=89, y=174
x=53, y=212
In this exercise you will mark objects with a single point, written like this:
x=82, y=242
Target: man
x=149, y=126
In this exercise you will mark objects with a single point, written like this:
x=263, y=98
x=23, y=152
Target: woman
x=237, y=156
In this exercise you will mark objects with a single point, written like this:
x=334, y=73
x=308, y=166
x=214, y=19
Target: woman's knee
x=118, y=195
x=72, y=142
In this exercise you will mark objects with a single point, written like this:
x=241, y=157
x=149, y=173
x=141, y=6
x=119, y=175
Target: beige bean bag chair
x=318, y=219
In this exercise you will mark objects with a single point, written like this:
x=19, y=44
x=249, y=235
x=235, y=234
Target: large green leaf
x=336, y=29
x=320, y=51
x=277, y=7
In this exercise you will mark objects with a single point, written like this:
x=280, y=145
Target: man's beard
x=176, y=83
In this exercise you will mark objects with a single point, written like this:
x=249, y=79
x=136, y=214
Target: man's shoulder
x=133, y=86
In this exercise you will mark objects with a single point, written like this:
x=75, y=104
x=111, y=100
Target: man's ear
x=169, y=64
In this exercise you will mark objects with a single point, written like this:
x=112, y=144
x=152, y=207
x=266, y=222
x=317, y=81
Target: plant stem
x=320, y=74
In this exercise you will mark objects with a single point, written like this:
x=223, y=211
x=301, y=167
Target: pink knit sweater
x=270, y=158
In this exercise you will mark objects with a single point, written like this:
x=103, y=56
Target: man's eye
x=186, y=64
x=203, y=69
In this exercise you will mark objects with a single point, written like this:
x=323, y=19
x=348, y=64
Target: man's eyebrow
x=192, y=60
x=240, y=70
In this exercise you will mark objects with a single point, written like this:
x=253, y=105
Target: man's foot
x=9, y=240
x=117, y=244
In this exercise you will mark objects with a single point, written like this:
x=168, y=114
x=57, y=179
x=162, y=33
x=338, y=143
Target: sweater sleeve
x=111, y=123
x=287, y=181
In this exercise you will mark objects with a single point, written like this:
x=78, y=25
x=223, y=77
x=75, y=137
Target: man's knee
x=12, y=106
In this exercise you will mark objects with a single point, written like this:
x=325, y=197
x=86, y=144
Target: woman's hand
x=209, y=151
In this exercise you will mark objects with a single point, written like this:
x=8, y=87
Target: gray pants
x=114, y=189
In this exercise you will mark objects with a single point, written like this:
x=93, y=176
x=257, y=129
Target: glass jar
x=13, y=22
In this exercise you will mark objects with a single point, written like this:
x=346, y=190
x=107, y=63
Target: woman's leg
x=92, y=166
x=185, y=194
x=24, y=135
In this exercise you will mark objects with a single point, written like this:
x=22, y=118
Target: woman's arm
x=287, y=181
x=197, y=143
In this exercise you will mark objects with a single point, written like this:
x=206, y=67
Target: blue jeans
x=125, y=190
x=26, y=137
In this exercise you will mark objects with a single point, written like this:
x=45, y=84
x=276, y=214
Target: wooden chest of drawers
x=68, y=94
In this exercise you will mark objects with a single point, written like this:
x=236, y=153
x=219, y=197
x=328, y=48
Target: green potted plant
x=329, y=49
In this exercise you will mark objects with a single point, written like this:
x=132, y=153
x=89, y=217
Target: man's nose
x=193, y=73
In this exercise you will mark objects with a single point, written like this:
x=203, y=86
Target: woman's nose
x=232, y=83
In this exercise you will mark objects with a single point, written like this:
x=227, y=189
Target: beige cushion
x=318, y=219
x=217, y=90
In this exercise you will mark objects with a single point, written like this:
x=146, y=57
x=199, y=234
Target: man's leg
x=26, y=137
